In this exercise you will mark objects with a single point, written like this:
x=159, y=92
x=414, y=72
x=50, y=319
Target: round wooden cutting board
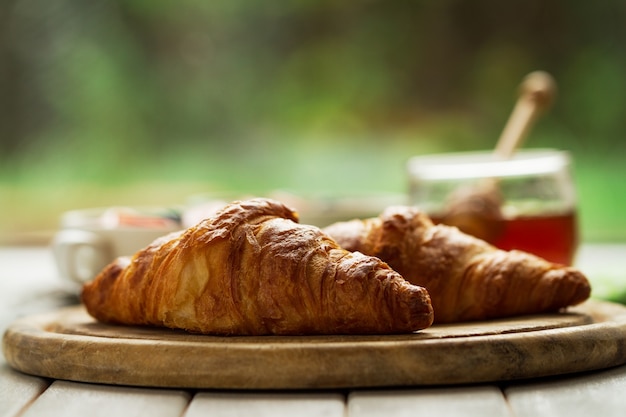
x=69, y=344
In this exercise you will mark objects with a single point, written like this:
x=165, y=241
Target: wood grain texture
x=17, y=390
x=74, y=399
x=267, y=405
x=477, y=401
x=71, y=345
x=597, y=394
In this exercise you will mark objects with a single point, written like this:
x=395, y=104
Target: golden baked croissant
x=251, y=269
x=467, y=278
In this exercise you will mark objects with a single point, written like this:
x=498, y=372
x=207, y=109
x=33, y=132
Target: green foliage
x=313, y=96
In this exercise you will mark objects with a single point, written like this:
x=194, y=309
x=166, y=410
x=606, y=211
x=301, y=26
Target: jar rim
x=485, y=164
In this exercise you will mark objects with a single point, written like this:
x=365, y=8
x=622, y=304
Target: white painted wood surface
x=17, y=390
x=601, y=394
x=71, y=399
x=267, y=404
x=470, y=401
x=27, y=279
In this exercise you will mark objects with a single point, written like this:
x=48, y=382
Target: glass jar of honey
x=526, y=203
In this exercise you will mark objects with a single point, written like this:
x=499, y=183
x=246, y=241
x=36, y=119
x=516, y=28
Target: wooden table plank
x=29, y=284
x=223, y=404
x=77, y=399
x=480, y=401
x=17, y=390
x=597, y=394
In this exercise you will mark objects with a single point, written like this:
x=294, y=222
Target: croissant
x=251, y=269
x=467, y=278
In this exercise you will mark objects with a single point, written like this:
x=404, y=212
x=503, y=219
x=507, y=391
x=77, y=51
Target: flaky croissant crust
x=250, y=270
x=467, y=278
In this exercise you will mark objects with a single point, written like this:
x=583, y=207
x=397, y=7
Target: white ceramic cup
x=90, y=239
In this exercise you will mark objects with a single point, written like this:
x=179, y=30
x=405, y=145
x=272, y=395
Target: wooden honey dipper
x=477, y=210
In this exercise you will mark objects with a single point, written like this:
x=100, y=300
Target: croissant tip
x=93, y=293
x=417, y=304
x=581, y=286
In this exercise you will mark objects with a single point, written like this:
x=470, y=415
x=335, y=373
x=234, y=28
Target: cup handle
x=80, y=254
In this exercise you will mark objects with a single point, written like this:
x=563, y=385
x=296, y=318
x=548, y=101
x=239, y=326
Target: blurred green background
x=149, y=102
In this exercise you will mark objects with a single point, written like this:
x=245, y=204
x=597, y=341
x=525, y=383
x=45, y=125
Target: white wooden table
x=29, y=284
